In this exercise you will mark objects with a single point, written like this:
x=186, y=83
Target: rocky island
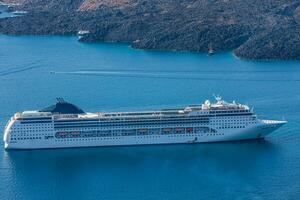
x=252, y=29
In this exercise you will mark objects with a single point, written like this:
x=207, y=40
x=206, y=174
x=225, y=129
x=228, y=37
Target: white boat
x=19, y=13
x=65, y=125
x=82, y=33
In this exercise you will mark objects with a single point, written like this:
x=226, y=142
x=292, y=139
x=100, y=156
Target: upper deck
x=220, y=107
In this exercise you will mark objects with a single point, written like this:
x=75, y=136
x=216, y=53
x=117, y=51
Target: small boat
x=210, y=50
x=82, y=33
x=19, y=13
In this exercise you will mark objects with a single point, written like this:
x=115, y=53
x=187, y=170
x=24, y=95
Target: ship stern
x=6, y=135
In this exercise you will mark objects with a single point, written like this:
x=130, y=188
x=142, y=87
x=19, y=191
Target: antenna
x=60, y=100
x=217, y=97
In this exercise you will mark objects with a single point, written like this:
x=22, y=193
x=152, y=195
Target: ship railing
x=63, y=116
x=32, y=115
x=6, y=125
x=223, y=107
x=17, y=115
x=267, y=121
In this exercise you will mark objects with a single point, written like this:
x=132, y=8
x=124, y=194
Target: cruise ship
x=66, y=125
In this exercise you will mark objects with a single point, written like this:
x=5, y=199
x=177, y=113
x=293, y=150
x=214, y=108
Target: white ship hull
x=256, y=131
x=64, y=125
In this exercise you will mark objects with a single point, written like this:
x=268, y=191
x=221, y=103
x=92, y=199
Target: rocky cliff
x=253, y=29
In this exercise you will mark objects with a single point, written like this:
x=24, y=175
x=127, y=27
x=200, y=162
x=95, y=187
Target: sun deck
x=65, y=111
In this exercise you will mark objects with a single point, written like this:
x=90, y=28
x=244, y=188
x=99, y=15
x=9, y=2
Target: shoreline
x=129, y=44
x=251, y=34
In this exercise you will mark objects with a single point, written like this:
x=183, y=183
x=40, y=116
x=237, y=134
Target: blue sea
x=34, y=71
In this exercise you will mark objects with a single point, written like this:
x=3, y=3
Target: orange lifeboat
x=62, y=133
x=189, y=130
x=179, y=129
x=143, y=130
x=167, y=130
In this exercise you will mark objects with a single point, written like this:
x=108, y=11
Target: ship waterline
x=65, y=125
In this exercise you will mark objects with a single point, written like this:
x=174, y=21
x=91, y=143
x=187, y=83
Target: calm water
x=36, y=70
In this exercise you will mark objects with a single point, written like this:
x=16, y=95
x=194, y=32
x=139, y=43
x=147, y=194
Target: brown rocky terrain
x=96, y=4
x=252, y=29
